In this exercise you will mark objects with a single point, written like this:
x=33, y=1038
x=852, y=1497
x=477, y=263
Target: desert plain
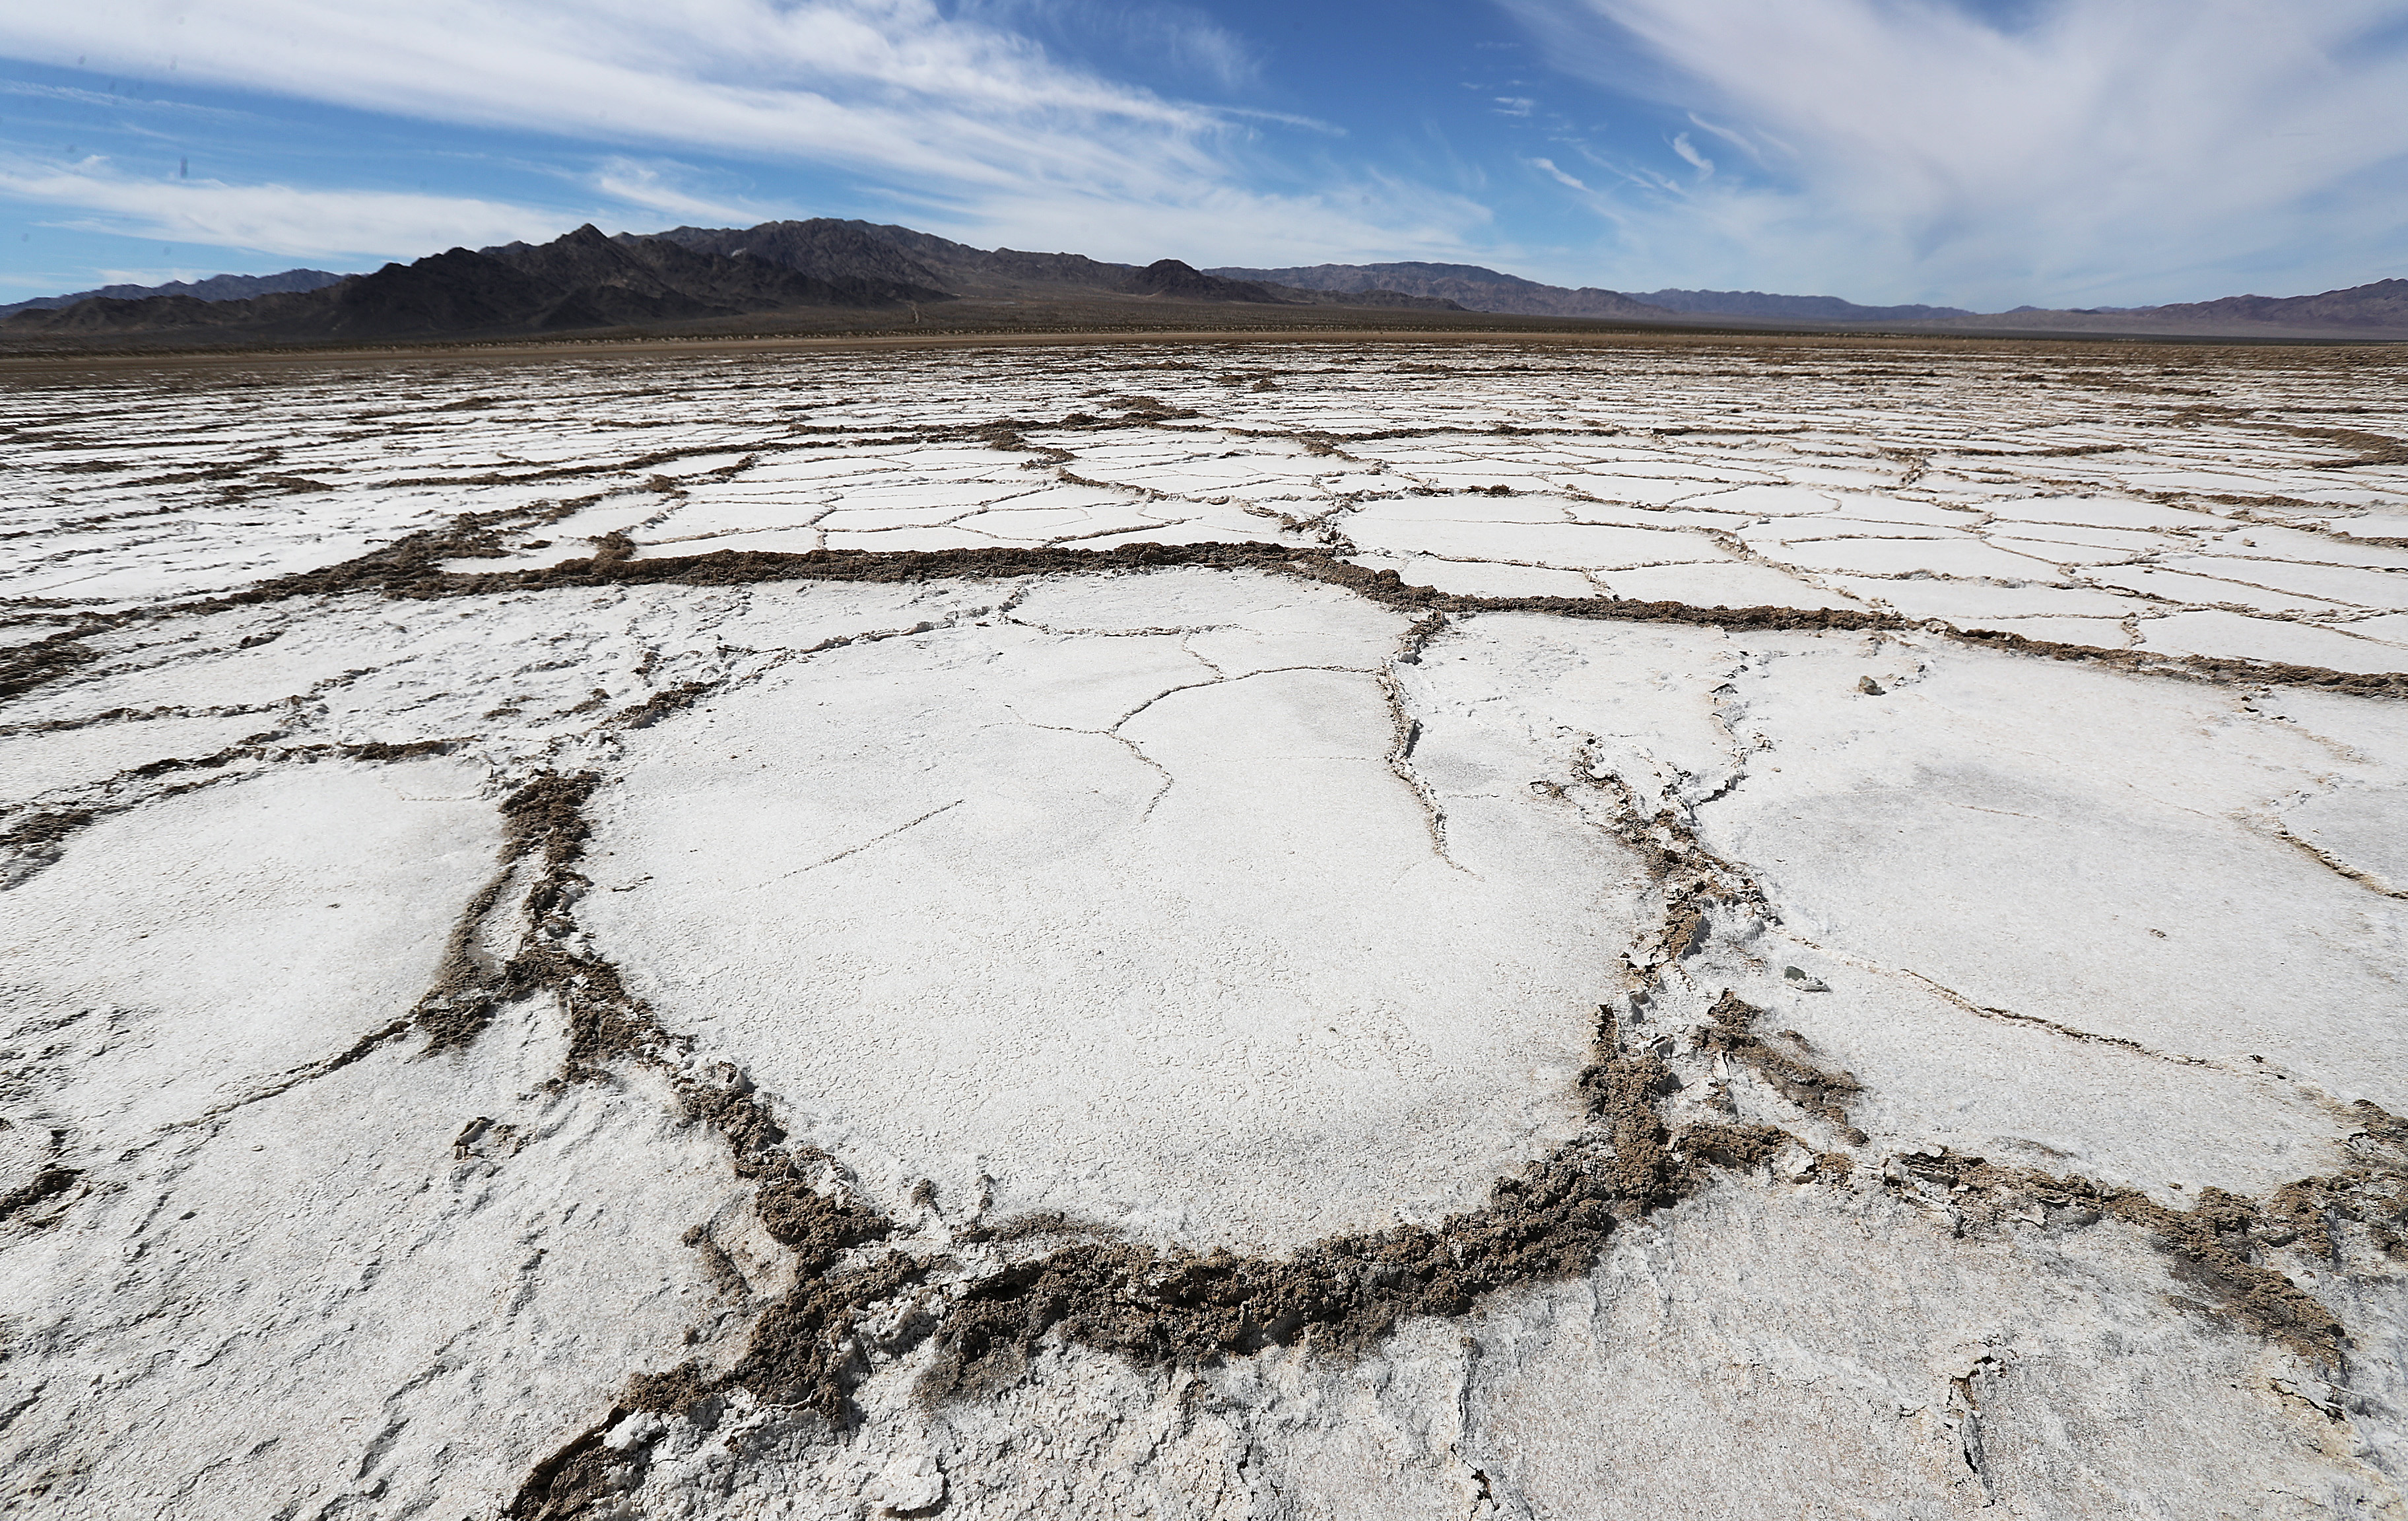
x=1342, y=927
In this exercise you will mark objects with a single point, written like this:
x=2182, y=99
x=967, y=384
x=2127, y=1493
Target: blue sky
x=1981, y=154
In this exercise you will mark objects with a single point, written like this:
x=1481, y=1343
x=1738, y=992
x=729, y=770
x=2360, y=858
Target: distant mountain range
x=586, y=279
x=589, y=280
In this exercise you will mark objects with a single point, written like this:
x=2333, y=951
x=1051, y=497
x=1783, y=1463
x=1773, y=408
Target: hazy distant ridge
x=2377, y=309
x=215, y=288
x=1813, y=308
x=1468, y=285
x=1482, y=289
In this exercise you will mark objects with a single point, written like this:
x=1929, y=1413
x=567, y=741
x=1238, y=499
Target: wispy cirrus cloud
x=2089, y=148
x=277, y=219
x=1547, y=167
x=668, y=187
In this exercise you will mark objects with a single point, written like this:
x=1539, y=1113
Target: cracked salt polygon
x=2359, y=825
x=1698, y=487
x=766, y=541
x=1733, y=584
x=1975, y=604
x=2128, y=541
x=2093, y=633
x=1694, y=515
x=1561, y=545
x=1205, y=976
x=1963, y=556
x=2232, y=635
x=2200, y=591
x=1820, y=1355
x=1771, y=501
x=2024, y=858
x=2297, y=544
x=2393, y=526
x=321, y=1266
x=2062, y=554
x=205, y=944
x=1479, y=578
x=2391, y=627
x=2098, y=512
x=1896, y=513
x=2385, y=589
x=1233, y=529
x=1820, y=792
x=1780, y=531
x=33, y=764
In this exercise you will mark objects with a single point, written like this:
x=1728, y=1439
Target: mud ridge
x=612, y=565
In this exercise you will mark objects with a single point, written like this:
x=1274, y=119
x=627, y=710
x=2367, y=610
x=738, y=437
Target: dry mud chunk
x=1169, y=950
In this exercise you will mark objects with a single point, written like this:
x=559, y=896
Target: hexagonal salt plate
x=1115, y=906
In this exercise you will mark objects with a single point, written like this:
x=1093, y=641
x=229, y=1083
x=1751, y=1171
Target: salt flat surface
x=483, y=923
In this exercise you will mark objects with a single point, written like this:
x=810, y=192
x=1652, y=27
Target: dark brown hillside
x=836, y=250
x=841, y=254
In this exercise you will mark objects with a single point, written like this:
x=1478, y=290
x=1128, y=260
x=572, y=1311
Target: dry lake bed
x=1770, y=929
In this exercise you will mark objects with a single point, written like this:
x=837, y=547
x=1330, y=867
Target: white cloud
x=1549, y=166
x=1688, y=151
x=982, y=124
x=1726, y=135
x=273, y=218
x=2098, y=152
x=1174, y=37
x=668, y=188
